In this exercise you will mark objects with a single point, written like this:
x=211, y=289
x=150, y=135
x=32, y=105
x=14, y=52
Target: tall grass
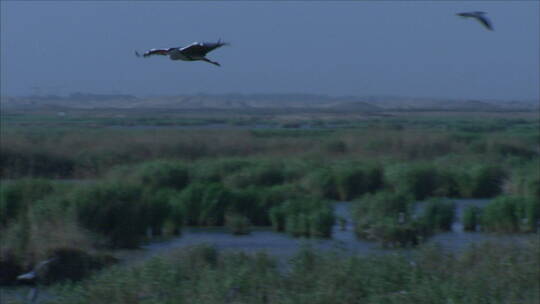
x=15, y=197
x=438, y=214
x=487, y=273
x=511, y=214
x=487, y=181
x=115, y=210
x=304, y=216
x=43, y=230
x=353, y=180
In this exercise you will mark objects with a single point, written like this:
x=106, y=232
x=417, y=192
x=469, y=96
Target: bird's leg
x=32, y=295
x=210, y=61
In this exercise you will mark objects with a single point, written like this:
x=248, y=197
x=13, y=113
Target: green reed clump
x=471, y=218
x=383, y=203
x=438, y=214
x=255, y=202
x=204, y=203
x=486, y=181
x=390, y=232
x=386, y=217
x=321, y=182
x=162, y=174
x=501, y=215
x=419, y=179
x=214, y=203
x=237, y=224
x=278, y=218
x=115, y=210
x=304, y=216
x=158, y=209
x=353, y=180
x=524, y=180
x=511, y=214
x=16, y=196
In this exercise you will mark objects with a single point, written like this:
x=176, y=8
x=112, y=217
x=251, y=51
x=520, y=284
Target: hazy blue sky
x=408, y=48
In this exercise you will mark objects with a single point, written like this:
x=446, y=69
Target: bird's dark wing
x=43, y=263
x=485, y=22
x=201, y=49
x=465, y=14
x=153, y=52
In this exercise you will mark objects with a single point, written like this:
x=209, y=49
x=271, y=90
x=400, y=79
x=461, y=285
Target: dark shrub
x=382, y=204
x=374, y=177
x=447, y=184
x=386, y=218
x=390, y=233
x=237, y=224
x=10, y=268
x=350, y=182
x=486, y=181
x=278, y=218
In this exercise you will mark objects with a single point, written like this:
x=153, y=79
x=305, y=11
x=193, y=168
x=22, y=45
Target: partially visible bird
x=478, y=16
x=193, y=52
x=32, y=277
x=36, y=272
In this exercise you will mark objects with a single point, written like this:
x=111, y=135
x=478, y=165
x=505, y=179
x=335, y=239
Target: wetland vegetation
x=77, y=186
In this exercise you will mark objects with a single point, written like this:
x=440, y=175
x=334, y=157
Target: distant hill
x=262, y=101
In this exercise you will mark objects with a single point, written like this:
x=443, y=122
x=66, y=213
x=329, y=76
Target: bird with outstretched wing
x=480, y=16
x=193, y=52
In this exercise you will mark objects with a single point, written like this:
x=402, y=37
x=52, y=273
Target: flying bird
x=193, y=52
x=478, y=16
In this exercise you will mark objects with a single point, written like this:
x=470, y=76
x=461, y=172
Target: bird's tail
x=137, y=54
x=220, y=42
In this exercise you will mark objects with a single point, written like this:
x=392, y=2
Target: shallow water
x=282, y=245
